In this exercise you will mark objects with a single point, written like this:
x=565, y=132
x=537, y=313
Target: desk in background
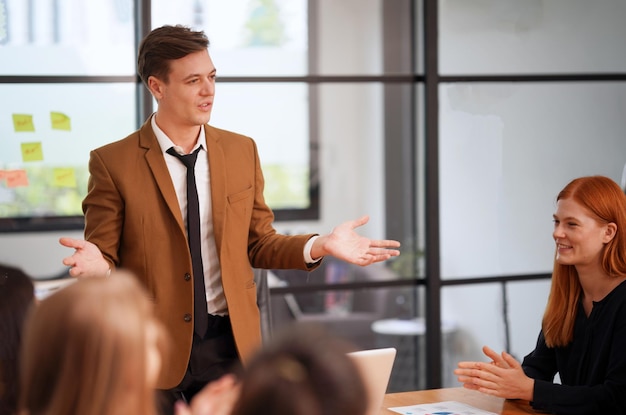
x=466, y=396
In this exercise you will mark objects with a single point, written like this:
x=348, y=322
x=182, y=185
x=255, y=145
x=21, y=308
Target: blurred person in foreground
x=17, y=294
x=95, y=347
x=303, y=371
x=583, y=335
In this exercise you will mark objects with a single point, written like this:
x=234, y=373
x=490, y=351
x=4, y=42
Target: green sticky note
x=60, y=121
x=23, y=122
x=32, y=152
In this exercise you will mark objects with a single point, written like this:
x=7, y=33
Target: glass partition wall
x=529, y=96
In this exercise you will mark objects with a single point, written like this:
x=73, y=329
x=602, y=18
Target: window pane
x=70, y=37
x=367, y=317
x=526, y=302
x=369, y=305
x=503, y=37
x=506, y=150
x=363, y=37
x=349, y=37
x=491, y=323
x=350, y=121
x=247, y=37
x=475, y=326
x=276, y=117
x=46, y=133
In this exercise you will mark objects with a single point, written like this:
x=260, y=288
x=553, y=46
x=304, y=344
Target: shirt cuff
x=307, y=251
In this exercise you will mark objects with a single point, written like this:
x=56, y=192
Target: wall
x=507, y=148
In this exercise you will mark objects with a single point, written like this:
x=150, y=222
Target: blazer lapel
x=217, y=168
x=156, y=163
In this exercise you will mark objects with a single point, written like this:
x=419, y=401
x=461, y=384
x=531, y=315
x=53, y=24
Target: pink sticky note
x=16, y=178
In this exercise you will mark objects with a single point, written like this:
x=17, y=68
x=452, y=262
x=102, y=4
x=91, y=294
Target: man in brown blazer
x=135, y=216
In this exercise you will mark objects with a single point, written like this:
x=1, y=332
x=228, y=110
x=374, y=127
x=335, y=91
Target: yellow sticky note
x=32, y=152
x=23, y=122
x=60, y=121
x=16, y=178
x=64, y=177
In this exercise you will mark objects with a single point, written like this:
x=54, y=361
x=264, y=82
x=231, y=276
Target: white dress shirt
x=216, y=302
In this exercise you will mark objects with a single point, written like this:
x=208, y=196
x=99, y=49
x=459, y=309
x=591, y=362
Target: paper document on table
x=440, y=408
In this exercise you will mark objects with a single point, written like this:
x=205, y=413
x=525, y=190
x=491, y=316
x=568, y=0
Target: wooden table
x=466, y=396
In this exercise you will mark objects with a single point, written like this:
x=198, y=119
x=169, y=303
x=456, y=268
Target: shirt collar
x=165, y=142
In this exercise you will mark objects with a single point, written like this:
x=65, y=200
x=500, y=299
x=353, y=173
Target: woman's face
x=153, y=353
x=579, y=236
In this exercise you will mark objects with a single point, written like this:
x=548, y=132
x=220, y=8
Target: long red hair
x=605, y=200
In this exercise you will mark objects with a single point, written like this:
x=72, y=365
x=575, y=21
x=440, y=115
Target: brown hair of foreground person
x=303, y=371
x=93, y=347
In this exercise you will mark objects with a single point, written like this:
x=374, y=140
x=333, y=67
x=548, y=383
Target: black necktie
x=193, y=236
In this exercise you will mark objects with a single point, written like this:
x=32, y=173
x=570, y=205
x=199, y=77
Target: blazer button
x=187, y=277
x=187, y=318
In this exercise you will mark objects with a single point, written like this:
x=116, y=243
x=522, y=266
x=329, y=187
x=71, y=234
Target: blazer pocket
x=240, y=206
x=244, y=194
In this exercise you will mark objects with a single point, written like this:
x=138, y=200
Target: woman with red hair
x=583, y=335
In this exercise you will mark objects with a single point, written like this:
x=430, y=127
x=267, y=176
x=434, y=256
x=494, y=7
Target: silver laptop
x=375, y=367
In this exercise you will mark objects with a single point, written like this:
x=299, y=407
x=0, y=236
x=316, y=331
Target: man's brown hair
x=164, y=44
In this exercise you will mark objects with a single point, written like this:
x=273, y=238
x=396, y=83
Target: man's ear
x=609, y=232
x=156, y=87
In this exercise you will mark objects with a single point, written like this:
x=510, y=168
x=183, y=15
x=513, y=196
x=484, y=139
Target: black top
x=592, y=367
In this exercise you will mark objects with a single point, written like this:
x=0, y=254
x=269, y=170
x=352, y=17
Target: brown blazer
x=132, y=215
